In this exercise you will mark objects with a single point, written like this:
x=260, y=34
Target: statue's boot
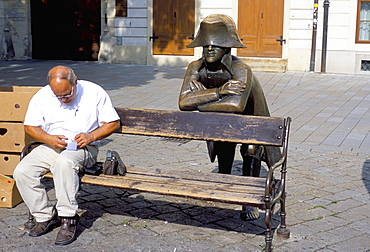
x=251, y=167
x=225, y=156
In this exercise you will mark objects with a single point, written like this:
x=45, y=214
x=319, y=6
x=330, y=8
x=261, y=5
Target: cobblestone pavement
x=328, y=176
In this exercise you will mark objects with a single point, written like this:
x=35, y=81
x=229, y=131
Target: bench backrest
x=205, y=126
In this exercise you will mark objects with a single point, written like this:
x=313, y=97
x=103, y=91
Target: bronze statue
x=220, y=82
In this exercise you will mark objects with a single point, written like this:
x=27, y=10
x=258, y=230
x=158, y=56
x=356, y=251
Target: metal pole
x=325, y=36
x=314, y=34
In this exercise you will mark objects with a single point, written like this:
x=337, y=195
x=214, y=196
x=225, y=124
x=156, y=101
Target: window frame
x=358, y=21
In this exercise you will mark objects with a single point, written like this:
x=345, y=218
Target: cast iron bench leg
x=282, y=230
x=268, y=233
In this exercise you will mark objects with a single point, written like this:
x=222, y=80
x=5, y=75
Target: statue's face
x=213, y=53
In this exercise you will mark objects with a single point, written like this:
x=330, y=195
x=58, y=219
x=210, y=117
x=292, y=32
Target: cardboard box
x=12, y=137
x=9, y=194
x=14, y=102
x=8, y=162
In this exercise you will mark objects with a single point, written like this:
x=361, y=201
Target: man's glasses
x=70, y=94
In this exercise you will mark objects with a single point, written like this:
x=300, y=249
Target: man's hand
x=232, y=87
x=83, y=139
x=56, y=141
x=103, y=131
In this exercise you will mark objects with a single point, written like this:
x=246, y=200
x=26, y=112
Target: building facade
x=281, y=35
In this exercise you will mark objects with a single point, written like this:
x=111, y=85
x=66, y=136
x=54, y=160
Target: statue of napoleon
x=220, y=82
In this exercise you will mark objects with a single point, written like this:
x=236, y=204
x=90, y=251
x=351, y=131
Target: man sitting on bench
x=220, y=82
x=68, y=116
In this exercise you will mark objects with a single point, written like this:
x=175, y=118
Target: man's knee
x=21, y=171
x=63, y=165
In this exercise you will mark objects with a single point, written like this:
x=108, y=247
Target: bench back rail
x=200, y=126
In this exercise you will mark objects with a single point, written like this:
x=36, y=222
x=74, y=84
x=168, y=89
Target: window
x=365, y=65
x=363, y=22
x=121, y=8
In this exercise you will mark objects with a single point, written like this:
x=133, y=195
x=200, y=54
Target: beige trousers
x=64, y=165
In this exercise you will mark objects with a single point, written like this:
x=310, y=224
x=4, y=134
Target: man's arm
x=102, y=132
x=55, y=141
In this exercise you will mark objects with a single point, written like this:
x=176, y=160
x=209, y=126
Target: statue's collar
x=226, y=61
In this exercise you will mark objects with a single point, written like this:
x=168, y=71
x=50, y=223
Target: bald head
x=62, y=81
x=62, y=72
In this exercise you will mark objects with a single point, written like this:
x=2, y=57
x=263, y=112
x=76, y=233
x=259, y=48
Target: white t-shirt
x=89, y=110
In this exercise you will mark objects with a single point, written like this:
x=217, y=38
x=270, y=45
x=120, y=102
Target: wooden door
x=68, y=29
x=260, y=24
x=173, y=25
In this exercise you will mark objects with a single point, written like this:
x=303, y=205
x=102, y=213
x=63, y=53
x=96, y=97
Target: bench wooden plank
x=190, y=185
x=200, y=176
x=194, y=125
x=181, y=188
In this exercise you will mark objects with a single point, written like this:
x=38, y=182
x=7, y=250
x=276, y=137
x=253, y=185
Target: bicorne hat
x=218, y=30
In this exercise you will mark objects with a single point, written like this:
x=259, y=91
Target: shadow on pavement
x=109, y=76
x=135, y=210
x=366, y=174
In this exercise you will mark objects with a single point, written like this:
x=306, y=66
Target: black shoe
x=249, y=213
x=41, y=228
x=67, y=232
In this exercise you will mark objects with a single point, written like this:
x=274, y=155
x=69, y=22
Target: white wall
x=343, y=54
x=208, y=7
x=131, y=34
x=14, y=30
x=300, y=15
x=340, y=36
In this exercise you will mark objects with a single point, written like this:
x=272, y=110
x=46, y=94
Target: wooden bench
x=241, y=190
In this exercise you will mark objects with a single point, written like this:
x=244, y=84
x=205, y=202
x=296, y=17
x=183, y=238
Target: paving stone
x=358, y=243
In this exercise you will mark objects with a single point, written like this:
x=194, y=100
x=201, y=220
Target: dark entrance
x=67, y=29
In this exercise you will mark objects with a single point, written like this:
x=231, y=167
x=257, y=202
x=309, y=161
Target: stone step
x=266, y=64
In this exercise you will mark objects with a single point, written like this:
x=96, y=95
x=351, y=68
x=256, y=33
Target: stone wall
x=15, y=41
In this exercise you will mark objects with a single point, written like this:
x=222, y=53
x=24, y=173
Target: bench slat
x=191, y=185
x=250, y=188
x=193, y=175
x=194, y=125
x=180, y=188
